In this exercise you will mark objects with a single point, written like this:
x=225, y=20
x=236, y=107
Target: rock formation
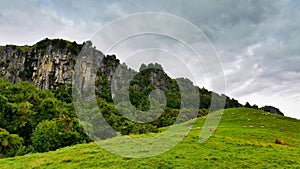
x=46, y=68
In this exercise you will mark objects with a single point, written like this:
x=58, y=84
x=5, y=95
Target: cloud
x=114, y=11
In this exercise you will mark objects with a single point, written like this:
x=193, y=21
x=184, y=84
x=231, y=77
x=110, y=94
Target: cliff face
x=46, y=68
x=51, y=63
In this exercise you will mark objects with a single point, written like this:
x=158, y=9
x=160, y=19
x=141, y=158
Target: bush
x=51, y=135
x=73, y=134
x=46, y=136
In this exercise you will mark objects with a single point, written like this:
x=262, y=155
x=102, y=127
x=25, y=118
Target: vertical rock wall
x=45, y=68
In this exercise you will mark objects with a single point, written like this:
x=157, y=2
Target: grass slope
x=234, y=145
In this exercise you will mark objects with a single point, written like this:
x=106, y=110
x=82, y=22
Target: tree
x=46, y=136
x=63, y=93
x=49, y=108
x=247, y=105
x=9, y=143
x=5, y=109
x=143, y=67
x=23, y=121
x=255, y=106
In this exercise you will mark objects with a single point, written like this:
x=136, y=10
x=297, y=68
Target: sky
x=257, y=41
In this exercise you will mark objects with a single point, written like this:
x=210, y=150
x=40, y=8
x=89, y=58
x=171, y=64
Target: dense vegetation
x=73, y=47
x=264, y=141
x=29, y=116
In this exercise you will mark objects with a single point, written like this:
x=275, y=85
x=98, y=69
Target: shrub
x=46, y=136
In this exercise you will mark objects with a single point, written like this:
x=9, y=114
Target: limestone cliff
x=50, y=63
x=45, y=64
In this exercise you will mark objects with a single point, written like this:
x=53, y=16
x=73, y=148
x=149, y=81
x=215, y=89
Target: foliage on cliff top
x=42, y=45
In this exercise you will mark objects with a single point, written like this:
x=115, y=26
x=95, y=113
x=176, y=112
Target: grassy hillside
x=245, y=138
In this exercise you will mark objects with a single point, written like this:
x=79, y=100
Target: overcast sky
x=258, y=41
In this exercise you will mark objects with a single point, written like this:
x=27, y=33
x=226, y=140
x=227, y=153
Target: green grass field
x=245, y=138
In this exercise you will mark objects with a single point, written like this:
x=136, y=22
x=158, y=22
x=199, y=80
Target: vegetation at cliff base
x=23, y=113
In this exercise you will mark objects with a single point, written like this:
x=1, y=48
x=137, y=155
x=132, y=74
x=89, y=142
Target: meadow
x=244, y=138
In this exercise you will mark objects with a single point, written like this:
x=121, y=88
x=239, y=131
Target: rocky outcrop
x=51, y=63
x=46, y=68
x=272, y=109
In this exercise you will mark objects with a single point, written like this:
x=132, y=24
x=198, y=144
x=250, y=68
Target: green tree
x=49, y=108
x=63, y=93
x=23, y=121
x=46, y=136
x=5, y=109
x=248, y=105
x=9, y=143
